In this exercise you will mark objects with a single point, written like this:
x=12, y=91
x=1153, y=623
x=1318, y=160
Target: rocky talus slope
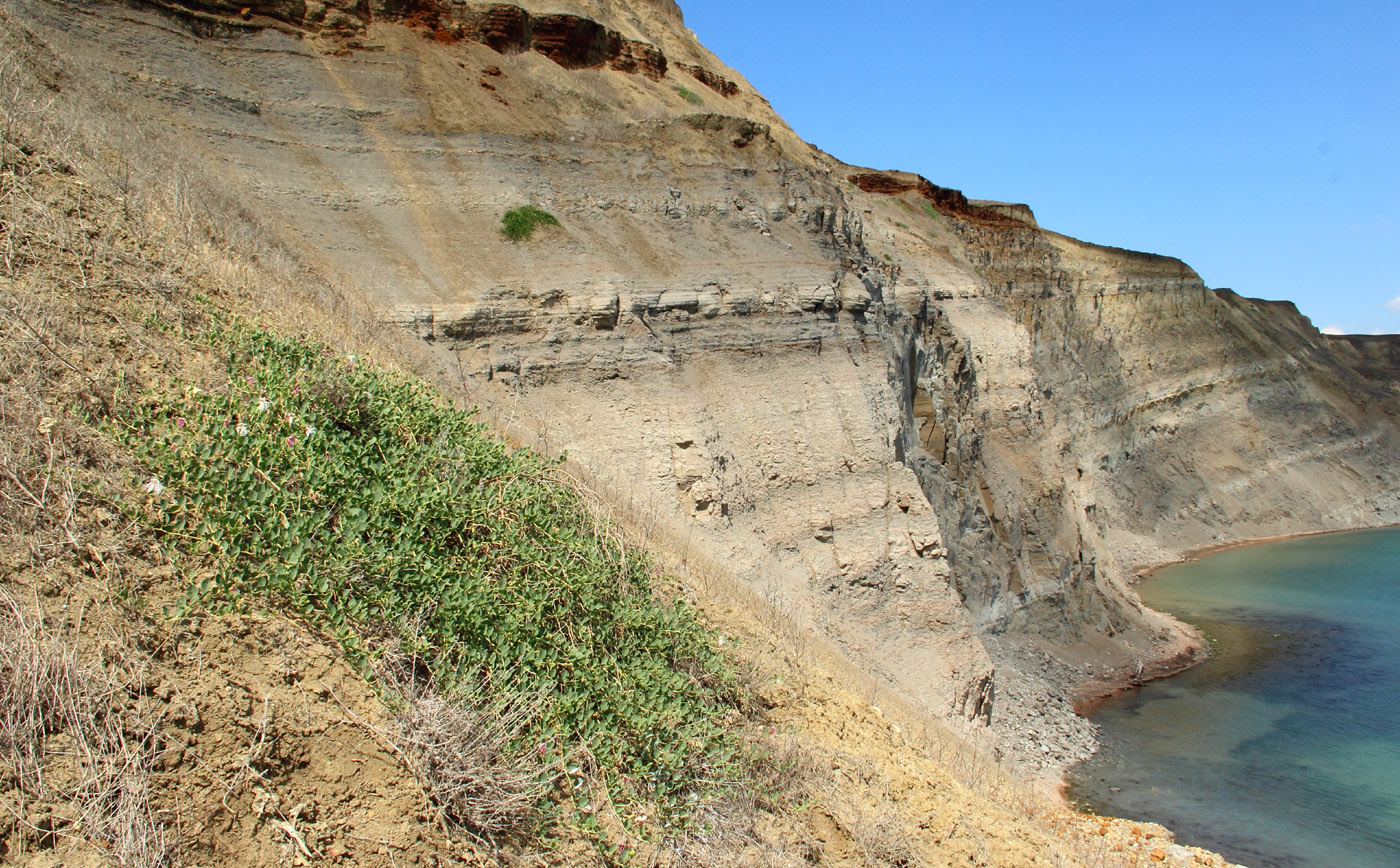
x=918, y=425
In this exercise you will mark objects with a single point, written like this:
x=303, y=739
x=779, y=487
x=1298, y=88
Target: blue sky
x=1259, y=142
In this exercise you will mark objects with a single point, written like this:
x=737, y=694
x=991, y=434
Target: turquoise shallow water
x=1283, y=749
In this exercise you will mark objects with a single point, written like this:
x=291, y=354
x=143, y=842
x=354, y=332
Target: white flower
x=291, y=419
x=154, y=486
x=263, y=404
x=242, y=430
x=310, y=430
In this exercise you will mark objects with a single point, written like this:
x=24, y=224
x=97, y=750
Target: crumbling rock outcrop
x=1375, y=357
x=572, y=41
x=226, y=17
x=945, y=199
x=717, y=83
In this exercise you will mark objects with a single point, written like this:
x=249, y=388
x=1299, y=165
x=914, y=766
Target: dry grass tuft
x=462, y=755
x=114, y=797
x=43, y=690
x=878, y=832
x=780, y=773
x=46, y=691
x=466, y=749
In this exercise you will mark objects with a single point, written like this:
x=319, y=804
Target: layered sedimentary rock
x=916, y=423
x=571, y=40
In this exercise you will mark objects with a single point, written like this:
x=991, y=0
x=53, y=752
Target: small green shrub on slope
x=357, y=499
x=689, y=95
x=519, y=224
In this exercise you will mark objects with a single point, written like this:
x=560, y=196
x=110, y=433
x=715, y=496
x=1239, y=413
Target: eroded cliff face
x=917, y=424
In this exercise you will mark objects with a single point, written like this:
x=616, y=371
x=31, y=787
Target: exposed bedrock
x=918, y=424
x=572, y=41
x=1106, y=411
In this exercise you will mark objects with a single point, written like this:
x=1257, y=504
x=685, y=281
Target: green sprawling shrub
x=360, y=501
x=519, y=224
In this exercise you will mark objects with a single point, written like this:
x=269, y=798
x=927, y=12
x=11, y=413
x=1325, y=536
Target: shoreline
x=1190, y=648
x=1276, y=626
x=1195, y=554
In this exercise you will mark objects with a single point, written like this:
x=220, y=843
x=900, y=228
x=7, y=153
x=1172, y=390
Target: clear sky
x=1258, y=141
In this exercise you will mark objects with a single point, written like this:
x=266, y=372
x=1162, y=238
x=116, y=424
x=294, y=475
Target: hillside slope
x=172, y=693
x=923, y=427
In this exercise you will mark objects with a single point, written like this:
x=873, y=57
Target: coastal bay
x=1280, y=750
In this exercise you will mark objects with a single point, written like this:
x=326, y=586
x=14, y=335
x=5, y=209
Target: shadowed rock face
x=907, y=419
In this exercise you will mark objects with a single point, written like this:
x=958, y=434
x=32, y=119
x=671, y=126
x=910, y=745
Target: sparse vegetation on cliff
x=689, y=95
x=519, y=224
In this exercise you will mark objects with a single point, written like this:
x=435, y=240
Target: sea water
x=1284, y=748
